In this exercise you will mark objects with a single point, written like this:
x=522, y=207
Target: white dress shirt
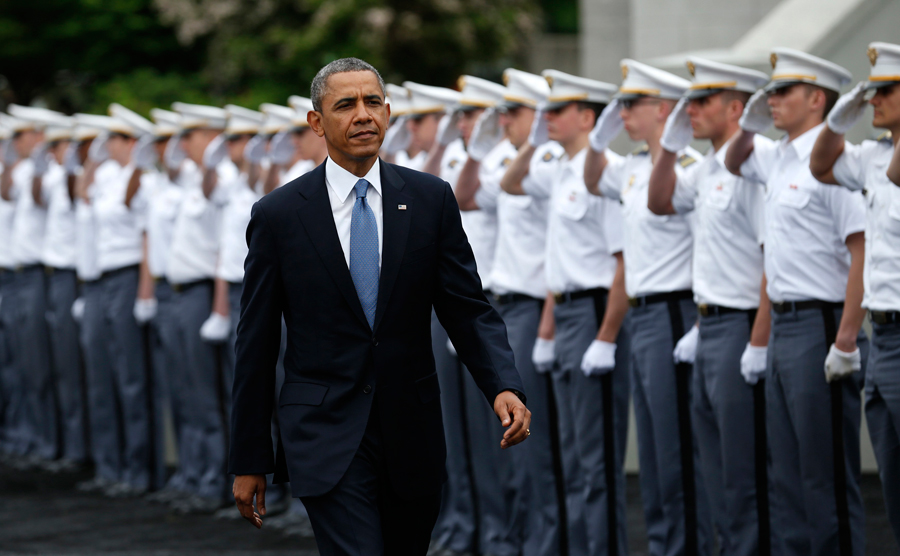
x=807, y=222
x=59, y=238
x=233, y=241
x=341, y=186
x=865, y=166
x=521, y=229
x=583, y=231
x=730, y=218
x=30, y=219
x=658, y=248
x=163, y=200
x=86, y=241
x=119, y=229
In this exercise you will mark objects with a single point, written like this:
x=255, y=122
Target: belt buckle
x=176, y=288
x=879, y=317
x=634, y=302
x=703, y=309
x=559, y=297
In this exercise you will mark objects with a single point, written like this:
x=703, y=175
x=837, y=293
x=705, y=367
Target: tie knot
x=361, y=187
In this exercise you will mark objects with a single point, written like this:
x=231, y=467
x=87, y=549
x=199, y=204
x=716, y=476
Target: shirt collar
x=803, y=145
x=342, y=182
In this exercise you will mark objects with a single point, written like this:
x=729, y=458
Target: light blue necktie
x=364, y=252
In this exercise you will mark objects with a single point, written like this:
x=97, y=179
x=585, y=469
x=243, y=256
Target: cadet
x=734, y=313
x=862, y=167
x=657, y=252
x=308, y=148
x=813, y=261
x=423, y=111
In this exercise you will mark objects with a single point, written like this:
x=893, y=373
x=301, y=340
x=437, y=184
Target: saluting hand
x=245, y=488
x=514, y=416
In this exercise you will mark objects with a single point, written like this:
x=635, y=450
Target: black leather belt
x=660, y=298
x=28, y=267
x=50, y=270
x=792, y=306
x=885, y=317
x=566, y=297
x=707, y=310
x=180, y=288
x=123, y=270
x=507, y=298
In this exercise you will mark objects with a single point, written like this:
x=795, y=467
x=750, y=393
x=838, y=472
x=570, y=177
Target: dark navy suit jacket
x=335, y=364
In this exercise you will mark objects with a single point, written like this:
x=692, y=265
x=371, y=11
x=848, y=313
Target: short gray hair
x=342, y=65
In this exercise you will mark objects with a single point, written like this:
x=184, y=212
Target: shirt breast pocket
x=794, y=196
x=573, y=204
x=195, y=204
x=720, y=195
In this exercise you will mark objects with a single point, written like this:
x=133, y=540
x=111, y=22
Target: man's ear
x=314, y=119
x=387, y=105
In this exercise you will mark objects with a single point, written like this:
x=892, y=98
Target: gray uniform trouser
x=204, y=431
x=816, y=502
x=593, y=422
x=104, y=416
x=128, y=357
x=62, y=286
x=540, y=454
x=676, y=509
x=33, y=352
x=883, y=413
x=455, y=527
x=726, y=411
x=15, y=433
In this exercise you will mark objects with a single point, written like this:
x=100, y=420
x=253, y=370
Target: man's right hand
x=245, y=488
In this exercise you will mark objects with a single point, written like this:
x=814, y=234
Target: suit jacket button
x=367, y=389
x=374, y=341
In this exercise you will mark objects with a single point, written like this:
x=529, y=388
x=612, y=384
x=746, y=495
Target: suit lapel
x=317, y=219
x=396, y=231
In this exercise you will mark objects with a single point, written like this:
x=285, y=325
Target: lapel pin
x=401, y=207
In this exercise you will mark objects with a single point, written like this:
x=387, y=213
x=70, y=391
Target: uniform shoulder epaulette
x=886, y=137
x=506, y=162
x=686, y=160
x=643, y=149
x=548, y=156
x=453, y=163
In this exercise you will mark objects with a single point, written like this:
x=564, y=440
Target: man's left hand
x=514, y=416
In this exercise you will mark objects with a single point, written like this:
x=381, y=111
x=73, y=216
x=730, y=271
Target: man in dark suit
x=355, y=254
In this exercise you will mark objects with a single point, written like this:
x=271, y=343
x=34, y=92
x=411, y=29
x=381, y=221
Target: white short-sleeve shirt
x=658, y=249
x=7, y=215
x=864, y=167
x=807, y=222
x=233, y=241
x=417, y=162
x=728, y=232
x=30, y=219
x=59, y=238
x=163, y=200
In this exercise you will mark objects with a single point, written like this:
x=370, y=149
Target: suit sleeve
x=257, y=345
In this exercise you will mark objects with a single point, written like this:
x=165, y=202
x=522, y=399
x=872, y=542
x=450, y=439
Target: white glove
x=40, y=157
x=839, y=363
x=174, y=155
x=255, y=150
x=216, y=329
x=451, y=349
x=686, y=348
x=397, y=138
x=215, y=152
x=540, y=132
x=98, y=151
x=753, y=363
x=543, y=355
x=78, y=309
x=71, y=162
x=144, y=153
x=678, y=132
x=10, y=156
x=144, y=310
x=486, y=135
x=757, y=116
x=448, y=130
x=609, y=125
x=599, y=359
x=281, y=148
x=848, y=109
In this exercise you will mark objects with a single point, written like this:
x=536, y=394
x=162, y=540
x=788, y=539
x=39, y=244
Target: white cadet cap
x=16, y=125
x=885, y=60
x=168, y=123
x=88, y=126
x=426, y=99
x=199, y=116
x=278, y=118
x=398, y=98
x=790, y=67
x=57, y=126
x=243, y=121
x=566, y=88
x=128, y=122
x=641, y=80
x=479, y=93
x=524, y=89
x=302, y=107
x=711, y=77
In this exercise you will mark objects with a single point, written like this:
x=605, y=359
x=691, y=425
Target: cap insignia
x=873, y=55
x=624, y=72
x=691, y=68
x=773, y=59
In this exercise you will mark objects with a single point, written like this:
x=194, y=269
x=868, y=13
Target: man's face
x=160, y=147
x=467, y=123
x=423, y=129
x=119, y=148
x=308, y=145
x=791, y=106
x=354, y=116
x=709, y=116
x=84, y=147
x=25, y=141
x=563, y=124
x=236, y=146
x=195, y=141
x=886, y=103
x=517, y=123
x=642, y=117
x=58, y=150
